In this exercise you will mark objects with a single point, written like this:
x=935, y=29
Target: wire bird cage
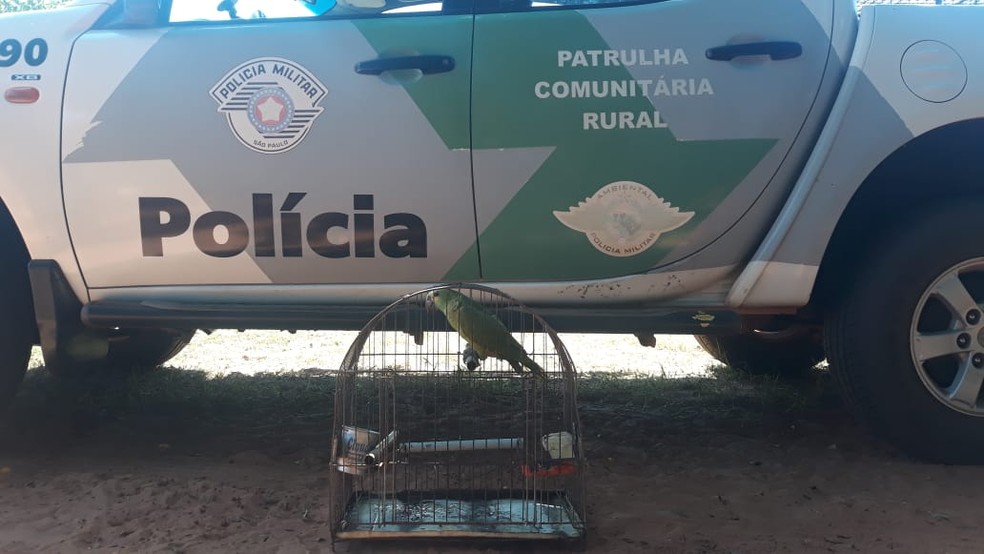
x=433, y=440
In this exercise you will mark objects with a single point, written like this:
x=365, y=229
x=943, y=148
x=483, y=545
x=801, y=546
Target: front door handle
x=778, y=50
x=427, y=64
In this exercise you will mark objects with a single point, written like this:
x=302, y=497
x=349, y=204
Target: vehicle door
x=614, y=137
x=271, y=141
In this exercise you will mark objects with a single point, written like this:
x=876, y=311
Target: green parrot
x=486, y=335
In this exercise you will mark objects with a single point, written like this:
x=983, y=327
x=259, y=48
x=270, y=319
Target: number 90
x=34, y=52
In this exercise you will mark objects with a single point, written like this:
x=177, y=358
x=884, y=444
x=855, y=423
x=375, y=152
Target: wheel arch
x=935, y=167
x=11, y=241
x=13, y=251
x=834, y=214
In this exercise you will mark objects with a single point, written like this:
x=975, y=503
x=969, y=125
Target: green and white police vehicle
x=787, y=179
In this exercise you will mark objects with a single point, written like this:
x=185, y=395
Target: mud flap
x=65, y=341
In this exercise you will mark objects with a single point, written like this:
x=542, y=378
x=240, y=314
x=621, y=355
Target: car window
x=577, y=3
x=224, y=10
x=423, y=7
x=235, y=10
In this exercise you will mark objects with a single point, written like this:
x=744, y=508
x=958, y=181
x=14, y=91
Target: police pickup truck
x=786, y=179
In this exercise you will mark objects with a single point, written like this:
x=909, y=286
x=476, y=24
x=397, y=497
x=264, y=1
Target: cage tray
x=429, y=515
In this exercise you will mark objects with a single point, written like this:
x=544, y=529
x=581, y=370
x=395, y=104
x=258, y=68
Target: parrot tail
x=534, y=367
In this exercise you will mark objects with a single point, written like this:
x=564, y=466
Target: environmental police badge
x=623, y=218
x=270, y=103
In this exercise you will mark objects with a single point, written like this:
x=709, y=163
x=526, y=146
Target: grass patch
x=168, y=405
x=730, y=401
x=175, y=403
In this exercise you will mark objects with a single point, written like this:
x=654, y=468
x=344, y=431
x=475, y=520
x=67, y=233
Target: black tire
x=128, y=350
x=789, y=353
x=17, y=327
x=16, y=335
x=145, y=348
x=875, y=329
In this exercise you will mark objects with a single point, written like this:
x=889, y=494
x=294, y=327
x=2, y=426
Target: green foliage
x=25, y=5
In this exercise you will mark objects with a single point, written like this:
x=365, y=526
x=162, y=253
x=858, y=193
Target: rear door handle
x=777, y=50
x=427, y=64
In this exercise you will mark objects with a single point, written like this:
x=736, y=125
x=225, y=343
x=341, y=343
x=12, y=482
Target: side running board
x=181, y=315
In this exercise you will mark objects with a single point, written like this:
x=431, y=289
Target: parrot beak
x=429, y=301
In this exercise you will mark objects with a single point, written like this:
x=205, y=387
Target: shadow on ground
x=181, y=461
x=197, y=413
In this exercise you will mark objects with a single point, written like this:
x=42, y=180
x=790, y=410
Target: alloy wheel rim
x=946, y=338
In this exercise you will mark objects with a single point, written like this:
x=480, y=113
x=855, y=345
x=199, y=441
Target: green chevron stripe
x=513, y=53
x=441, y=97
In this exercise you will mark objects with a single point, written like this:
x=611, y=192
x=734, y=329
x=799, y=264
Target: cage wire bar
x=425, y=447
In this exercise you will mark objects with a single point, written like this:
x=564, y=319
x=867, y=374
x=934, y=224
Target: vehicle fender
x=30, y=146
x=913, y=69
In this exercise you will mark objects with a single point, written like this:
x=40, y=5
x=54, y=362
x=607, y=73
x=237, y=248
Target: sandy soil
x=96, y=479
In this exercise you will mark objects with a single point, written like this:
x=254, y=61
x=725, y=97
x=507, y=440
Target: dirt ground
x=187, y=461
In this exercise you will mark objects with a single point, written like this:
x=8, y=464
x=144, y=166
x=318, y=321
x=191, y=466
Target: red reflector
x=22, y=95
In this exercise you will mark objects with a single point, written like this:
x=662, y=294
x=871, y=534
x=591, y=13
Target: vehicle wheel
x=906, y=341
x=146, y=348
x=789, y=352
x=17, y=328
x=127, y=350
